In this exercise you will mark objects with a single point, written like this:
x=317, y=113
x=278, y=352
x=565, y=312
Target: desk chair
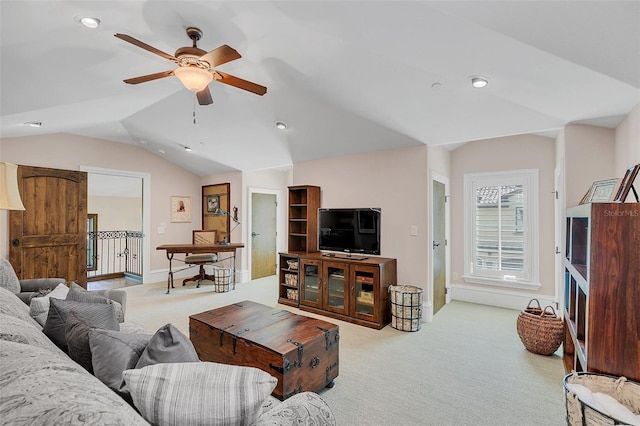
x=200, y=260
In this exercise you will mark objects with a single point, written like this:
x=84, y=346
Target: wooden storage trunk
x=301, y=352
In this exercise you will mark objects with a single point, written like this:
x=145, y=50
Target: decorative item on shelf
x=292, y=264
x=290, y=279
x=601, y=191
x=292, y=294
x=541, y=332
x=10, y=195
x=180, y=209
x=626, y=185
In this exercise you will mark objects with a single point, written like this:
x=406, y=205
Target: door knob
x=15, y=242
x=435, y=245
x=254, y=234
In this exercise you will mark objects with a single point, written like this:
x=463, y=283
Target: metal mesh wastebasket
x=406, y=307
x=223, y=279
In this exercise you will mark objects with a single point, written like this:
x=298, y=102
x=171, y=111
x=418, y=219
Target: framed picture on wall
x=213, y=204
x=180, y=209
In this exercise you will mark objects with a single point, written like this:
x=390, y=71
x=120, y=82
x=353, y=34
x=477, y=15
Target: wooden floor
x=111, y=284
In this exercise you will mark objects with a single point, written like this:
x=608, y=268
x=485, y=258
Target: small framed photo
x=602, y=191
x=213, y=204
x=627, y=184
x=180, y=209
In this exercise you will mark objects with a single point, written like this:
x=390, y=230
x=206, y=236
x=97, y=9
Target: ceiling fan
x=195, y=67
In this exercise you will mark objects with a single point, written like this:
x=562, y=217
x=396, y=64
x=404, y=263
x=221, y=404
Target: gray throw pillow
x=112, y=352
x=102, y=315
x=76, y=334
x=78, y=294
x=168, y=344
x=8, y=277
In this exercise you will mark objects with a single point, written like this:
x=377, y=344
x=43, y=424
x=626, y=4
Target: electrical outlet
x=455, y=276
x=413, y=230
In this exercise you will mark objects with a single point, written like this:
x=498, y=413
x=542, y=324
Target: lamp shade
x=9, y=194
x=193, y=78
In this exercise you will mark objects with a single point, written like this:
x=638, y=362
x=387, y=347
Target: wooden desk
x=172, y=249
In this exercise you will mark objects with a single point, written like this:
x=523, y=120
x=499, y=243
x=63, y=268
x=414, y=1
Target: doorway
x=114, y=183
x=439, y=244
x=263, y=241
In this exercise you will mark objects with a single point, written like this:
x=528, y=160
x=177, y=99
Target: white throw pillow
x=615, y=409
x=199, y=393
x=584, y=394
x=39, y=306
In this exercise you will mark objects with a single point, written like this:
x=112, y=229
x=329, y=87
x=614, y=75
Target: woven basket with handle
x=540, y=330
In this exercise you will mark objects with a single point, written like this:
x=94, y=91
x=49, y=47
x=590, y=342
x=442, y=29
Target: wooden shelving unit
x=304, y=202
x=351, y=290
x=288, y=288
x=602, y=289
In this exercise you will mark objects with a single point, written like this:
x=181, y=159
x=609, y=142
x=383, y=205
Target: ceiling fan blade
x=221, y=55
x=204, y=97
x=145, y=78
x=145, y=46
x=239, y=83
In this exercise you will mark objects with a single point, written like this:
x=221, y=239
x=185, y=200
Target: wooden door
x=49, y=238
x=439, y=247
x=263, y=235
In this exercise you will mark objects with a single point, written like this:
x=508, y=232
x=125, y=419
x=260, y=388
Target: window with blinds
x=500, y=242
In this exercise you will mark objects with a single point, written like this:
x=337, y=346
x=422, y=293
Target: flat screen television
x=349, y=230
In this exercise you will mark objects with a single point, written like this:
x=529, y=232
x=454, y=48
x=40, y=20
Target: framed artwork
x=626, y=185
x=180, y=209
x=204, y=237
x=213, y=204
x=602, y=191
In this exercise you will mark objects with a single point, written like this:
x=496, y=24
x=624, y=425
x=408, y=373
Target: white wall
x=627, y=142
x=395, y=181
x=504, y=154
x=116, y=213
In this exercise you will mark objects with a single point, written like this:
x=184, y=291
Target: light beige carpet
x=466, y=367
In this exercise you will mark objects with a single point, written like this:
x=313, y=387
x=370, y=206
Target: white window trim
x=529, y=178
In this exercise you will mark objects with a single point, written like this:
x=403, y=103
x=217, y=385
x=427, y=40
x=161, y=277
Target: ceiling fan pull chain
x=194, y=110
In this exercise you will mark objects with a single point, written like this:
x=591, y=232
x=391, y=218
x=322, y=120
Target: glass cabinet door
x=365, y=296
x=311, y=283
x=336, y=290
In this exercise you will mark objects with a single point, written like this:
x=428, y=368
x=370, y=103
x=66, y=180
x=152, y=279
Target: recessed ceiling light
x=479, y=82
x=143, y=142
x=281, y=125
x=436, y=86
x=187, y=148
x=161, y=151
x=90, y=22
x=33, y=123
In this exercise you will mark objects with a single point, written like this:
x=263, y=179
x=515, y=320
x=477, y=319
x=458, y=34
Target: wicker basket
x=222, y=279
x=541, y=333
x=624, y=391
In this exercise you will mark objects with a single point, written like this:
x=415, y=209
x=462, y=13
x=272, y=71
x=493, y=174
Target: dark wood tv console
x=350, y=289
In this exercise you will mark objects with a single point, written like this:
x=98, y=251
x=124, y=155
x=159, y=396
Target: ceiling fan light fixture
x=479, y=82
x=281, y=125
x=193, y=77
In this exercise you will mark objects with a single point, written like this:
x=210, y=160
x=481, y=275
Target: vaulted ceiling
x=347, y=77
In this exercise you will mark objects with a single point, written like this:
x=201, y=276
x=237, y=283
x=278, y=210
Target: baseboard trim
x=427, y=312
x=499, y=297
